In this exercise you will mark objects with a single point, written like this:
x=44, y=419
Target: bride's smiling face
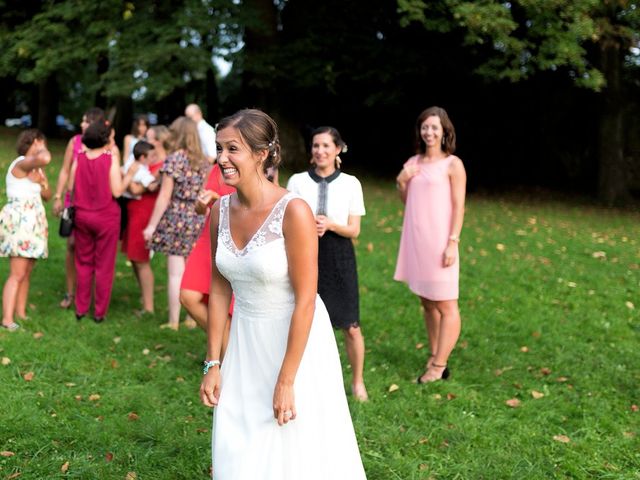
x=236, y=159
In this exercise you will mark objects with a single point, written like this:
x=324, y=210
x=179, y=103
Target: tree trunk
x=123, y=119
x=612, y=175
x=102, y=67
x=212, y=100
x=47, y=105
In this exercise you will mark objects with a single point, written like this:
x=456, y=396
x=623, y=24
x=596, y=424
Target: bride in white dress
x=281, y=410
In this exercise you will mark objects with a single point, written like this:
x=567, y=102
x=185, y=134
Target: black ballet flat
x=99, y=319
x=80, y=316
x=445, y=374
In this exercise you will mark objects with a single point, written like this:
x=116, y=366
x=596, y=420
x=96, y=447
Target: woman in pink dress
x=432, y=186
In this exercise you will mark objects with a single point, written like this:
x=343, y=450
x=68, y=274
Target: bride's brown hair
x=259, y=131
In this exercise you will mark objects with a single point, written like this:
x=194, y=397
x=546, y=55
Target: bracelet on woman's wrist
x=454, y=238
x=209, y=364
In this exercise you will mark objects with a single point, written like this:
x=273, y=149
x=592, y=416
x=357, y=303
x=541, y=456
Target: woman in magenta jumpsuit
x=95, y=184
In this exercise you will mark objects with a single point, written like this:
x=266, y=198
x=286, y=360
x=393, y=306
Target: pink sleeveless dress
x=425, y=233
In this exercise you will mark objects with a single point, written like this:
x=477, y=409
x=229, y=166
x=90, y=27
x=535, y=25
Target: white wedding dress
x=248, y=443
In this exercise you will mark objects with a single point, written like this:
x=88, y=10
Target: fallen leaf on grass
x=69, y=384
x=561, y=438
x=634, y=408
x=599, y=254
x=393, y=387
x=114, y=364
x=423, y=440
x=630, y=305
x=94, y=397
x=545, y=371
x=145, y=351
x=370, y=247
x=14, y=475
x=423, y=466
x=513, y=402
x=6, y=453
x=572, y=284
x=116, y=339
x=537, y=395
x=179, y=379
x=159, y=346
x=108, y=457
x=562, y=379
x=133, y=416
x=436, y=396
x=38, y=335
x=463, y=344
x=202, y=430
x=28, y=376
x=65, y=467
x=78, y=397
x=451, y=396
x=131, y=476
x=629, y=434
x=500, y=371
x=524, y=349
x=5, y=361
x=419, y=346
x=500, y=247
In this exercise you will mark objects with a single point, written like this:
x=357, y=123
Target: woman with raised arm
x=281, y=410
x=23, y=222
x=432, y=186
x=174, y=226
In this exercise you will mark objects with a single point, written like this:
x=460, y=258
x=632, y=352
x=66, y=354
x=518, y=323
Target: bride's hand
x=284, y=408
x=210, y=387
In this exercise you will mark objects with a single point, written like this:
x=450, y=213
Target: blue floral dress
x=180, y=225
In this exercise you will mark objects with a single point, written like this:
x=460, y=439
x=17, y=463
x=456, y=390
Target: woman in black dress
x=337, y=200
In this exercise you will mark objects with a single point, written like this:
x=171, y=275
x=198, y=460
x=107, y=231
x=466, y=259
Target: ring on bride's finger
x=288, y=413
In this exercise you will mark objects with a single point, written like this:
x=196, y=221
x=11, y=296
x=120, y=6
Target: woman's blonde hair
x=184, y=136
x=162, y=135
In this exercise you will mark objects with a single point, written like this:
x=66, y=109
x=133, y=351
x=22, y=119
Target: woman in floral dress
x=175, y=225
x=23, y=222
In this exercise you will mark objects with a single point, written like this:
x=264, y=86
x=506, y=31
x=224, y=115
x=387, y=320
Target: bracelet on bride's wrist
x=209, y=364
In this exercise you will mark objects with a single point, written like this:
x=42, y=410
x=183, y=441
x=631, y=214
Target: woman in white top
x=23, y=222
x=337, y=201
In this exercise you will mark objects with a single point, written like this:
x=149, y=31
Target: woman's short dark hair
x=259, y=131
x=448, y=135
x=96, y=135
x=26, y=139
x=333, y=132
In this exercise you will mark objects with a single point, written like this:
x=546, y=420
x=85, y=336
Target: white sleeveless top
x=22, y=188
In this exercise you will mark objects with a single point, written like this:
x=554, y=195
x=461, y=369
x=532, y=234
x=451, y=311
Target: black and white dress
x=337, y=196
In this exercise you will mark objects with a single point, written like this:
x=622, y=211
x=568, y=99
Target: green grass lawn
x=550, y=304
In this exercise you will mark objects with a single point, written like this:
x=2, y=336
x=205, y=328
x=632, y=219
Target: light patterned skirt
x=23, y=229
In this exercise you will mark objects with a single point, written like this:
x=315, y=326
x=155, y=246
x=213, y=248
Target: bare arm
x=117, y=182
x=458, y=179
x=301, y=244
x=136, y=188
x=127, y=144
x=219, y=302
x=45, y=190
x=162, y=202
x=63, y=177
x=30, y=162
